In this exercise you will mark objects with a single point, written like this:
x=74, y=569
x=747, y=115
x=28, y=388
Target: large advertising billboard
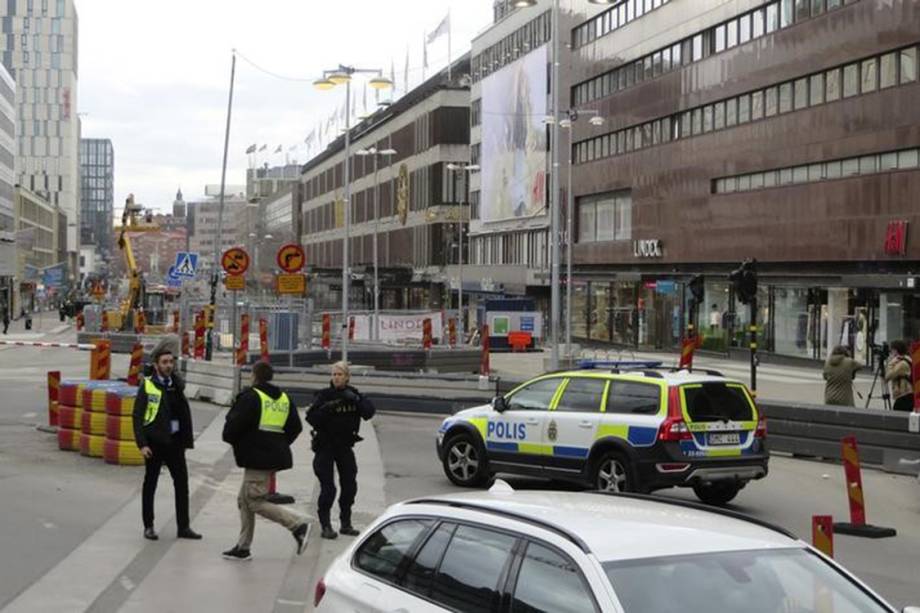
x=514, y=139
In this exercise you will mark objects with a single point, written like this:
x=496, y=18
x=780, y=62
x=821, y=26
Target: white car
x=504, y=551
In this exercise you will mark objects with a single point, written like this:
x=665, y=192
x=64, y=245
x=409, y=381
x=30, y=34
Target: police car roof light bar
x=618, y=364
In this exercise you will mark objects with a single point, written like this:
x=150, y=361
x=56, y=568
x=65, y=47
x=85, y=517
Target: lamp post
x=387, y=153
x=466, y=168
x=568, y=124
x=554, y=170
x=331, y=78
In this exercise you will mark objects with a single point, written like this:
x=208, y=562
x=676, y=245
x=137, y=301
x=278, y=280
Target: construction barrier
x=122, y=453
x=71, y=418
x=327, y=331
x=857, y=525
x=822, y=534
x=119, y=427
x=134, y=368
x=242, y=352
x=68, y=439
x=119, y=447
x=263, y=340
x=71, y=393
x=426, y=334
x=484, y=366
x=54, y=393
x=119, y=402
x=93, y=423
x=452, y=332
x=104, y=324
x=92, y=445
x=101, y=361
x=175, y=326
x=199, y=335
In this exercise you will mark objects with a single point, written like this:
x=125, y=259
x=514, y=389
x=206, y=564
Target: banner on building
x=396, y=328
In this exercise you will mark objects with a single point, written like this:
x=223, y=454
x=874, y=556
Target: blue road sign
x=173, y=279
x=186, y=264
x=53, y=276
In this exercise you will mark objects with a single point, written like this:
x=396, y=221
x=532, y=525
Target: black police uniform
x=335, y=416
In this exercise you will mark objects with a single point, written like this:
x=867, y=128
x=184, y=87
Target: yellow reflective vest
x=154, y=397
x=274, y=412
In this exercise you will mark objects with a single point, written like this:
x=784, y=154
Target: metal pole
x=215, y=273
x=463, y=199
x=233, y=336
x=554, y=183
x=347, y=177
x=570, y=213
x=375, y=335
x=753, y=330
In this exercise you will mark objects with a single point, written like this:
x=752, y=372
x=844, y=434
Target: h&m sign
x=896, y=238
x=649, y=248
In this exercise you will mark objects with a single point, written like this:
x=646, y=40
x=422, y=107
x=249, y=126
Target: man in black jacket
x=262, y=425
x=336, y=415
x=163, y=431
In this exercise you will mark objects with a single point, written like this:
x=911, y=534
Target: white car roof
x=677, y=377
x=615, y=527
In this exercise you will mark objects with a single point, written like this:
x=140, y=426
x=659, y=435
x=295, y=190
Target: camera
x=880, y=351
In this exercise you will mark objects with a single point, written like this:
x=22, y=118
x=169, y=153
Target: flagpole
x=424, y=54
x=449, y=28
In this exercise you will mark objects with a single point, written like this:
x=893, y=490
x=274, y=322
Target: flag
x=278, y=150
x=365, y=97
x=263, y=148
x=406, y=75
x=424, y=58
x=441, y=30
x=251, y=149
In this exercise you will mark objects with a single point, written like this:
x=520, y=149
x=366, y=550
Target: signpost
x=291, y=258
x=235, y=263
x=186, y=265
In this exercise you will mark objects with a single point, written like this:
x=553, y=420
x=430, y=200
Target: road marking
x=29, y=415
x=126, y=583
x=291, y=603
x=49, y=525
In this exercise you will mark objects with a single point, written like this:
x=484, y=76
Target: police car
x=614, y=430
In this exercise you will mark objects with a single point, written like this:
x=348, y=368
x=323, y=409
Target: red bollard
x=688, y=347
x=104, y=325
x=351, y=328
x=822, y=534
x=185, y=344
x=176, y=321
x=426, y=334
x=263, y=340
x=199, y=335
x=242, y=353
x=134, y=368
x=857, y=525
x=54, y=390
x=327, y=332
x=273, y=496
x=484, y=365
x=452, y=332
x=81, y=321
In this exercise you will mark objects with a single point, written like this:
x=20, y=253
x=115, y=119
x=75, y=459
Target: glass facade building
x=97, y=170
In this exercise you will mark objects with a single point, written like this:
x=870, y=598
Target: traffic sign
x=172, y=279
x=291, y=258
x=235, y=283
x=235, y=261
x=186, y=264
x=292, y=284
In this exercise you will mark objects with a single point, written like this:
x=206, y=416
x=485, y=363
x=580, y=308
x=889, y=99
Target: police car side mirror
x=499, y=404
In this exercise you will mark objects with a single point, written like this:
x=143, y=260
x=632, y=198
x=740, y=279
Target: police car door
x=573, y=422
x=517, y=435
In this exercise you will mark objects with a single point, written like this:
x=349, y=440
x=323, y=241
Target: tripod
x=880, y=372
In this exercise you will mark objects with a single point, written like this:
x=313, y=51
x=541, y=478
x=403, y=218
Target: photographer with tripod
x=899, y=370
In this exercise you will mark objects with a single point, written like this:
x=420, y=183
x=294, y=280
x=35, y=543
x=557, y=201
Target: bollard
x=273, y=496
x=81, y=321
x=452, y=332
x=426, y=334
x=484, y=366
x=242, y=352
x=104, y=325
x=351, y=329
x=185, y=344
x=176, y=321
x=327, y=332
x=857, y=525
x=199, y=335
x=688, y=347
x=54, y=390
x=101, y=361
x=822, y=534
x=263, y=340
x=134, y=368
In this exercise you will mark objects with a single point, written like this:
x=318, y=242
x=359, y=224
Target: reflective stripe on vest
x=274, y=412
x=154, y=396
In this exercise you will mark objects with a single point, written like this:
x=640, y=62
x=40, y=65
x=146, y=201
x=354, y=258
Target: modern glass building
x=97, y=169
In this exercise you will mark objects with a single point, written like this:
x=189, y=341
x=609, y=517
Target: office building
x=97, y=196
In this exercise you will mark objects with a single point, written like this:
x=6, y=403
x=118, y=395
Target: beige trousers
x=251, y=502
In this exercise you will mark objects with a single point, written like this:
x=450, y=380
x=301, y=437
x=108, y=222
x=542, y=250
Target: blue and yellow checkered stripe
x=637, y=436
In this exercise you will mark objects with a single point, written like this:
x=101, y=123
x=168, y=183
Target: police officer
x=163, y=431
x=335, y=416
x=262, y=425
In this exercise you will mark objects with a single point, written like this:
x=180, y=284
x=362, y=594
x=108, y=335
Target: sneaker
x=237, y=554
x=348, y=530
x=300, y=535
x=329, y=533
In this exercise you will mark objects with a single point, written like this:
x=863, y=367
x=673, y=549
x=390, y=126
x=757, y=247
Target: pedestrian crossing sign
x=186, y=264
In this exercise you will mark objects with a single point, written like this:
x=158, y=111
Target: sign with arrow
x=291, y=258
x=185, y=266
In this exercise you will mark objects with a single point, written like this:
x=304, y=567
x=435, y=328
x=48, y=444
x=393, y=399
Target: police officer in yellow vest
x=163, y=431
x=262, y=425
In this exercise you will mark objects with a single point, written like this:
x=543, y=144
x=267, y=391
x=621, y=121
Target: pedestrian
x=262, y=425
x=839, y=372
x=898, y=374
x=335, y=415
x=6, y=319
x=163, y=431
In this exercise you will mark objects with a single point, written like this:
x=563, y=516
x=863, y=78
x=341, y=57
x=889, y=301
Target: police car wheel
x=612, y=473
x=464, y=462
x=717, y=494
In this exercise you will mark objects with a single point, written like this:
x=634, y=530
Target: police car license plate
x=724, y=438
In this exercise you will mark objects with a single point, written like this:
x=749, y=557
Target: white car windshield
x=759, y=581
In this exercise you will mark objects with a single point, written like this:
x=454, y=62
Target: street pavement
x=72, y=533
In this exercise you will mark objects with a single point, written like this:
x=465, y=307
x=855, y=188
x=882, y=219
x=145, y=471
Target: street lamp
x=386, y=153
x=468, y=168
x=568, y=123
x=330, y=79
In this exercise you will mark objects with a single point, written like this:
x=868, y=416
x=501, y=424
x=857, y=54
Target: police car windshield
x=759, y=581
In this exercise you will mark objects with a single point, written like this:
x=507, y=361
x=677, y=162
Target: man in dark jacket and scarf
x=163, y=431
x=335, y=416
x=262, y=425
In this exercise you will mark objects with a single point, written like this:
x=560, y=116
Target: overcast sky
x=154, y=77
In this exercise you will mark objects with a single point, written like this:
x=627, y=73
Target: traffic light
x=744, y=281
x=697, y=288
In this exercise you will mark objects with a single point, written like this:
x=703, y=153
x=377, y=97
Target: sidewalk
x=783, y=383
x=116, y=569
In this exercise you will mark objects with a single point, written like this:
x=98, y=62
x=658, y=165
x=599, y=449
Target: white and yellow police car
x=614, y=430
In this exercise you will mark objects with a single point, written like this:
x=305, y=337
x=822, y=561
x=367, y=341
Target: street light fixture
x=468, y=168
x=331, y=78
x=386, y=153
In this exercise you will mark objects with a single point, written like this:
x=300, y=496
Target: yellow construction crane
x=133, y=219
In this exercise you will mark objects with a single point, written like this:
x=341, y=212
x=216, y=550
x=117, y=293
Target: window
x=850, y=80
x=785, y=97
x=468, y=576
x=908, y=159
x=772, y=17
x=421, y=572
x=382, y=554
x=869, y=75
x=801, y=94
x=888, y=71
x=731, y=34
x=630, y=397
x=587, y=226
x=718, y=113
x=606, y=219
x=816, y=89
x=582, y=395
x=744, y=29
x=534, y=397
x=548, y=581
x=758, y=23
x=832, y=84
x=731, y=112
x=756, y=106
x=909, y=65
x=707, y=118
x=719, y=39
